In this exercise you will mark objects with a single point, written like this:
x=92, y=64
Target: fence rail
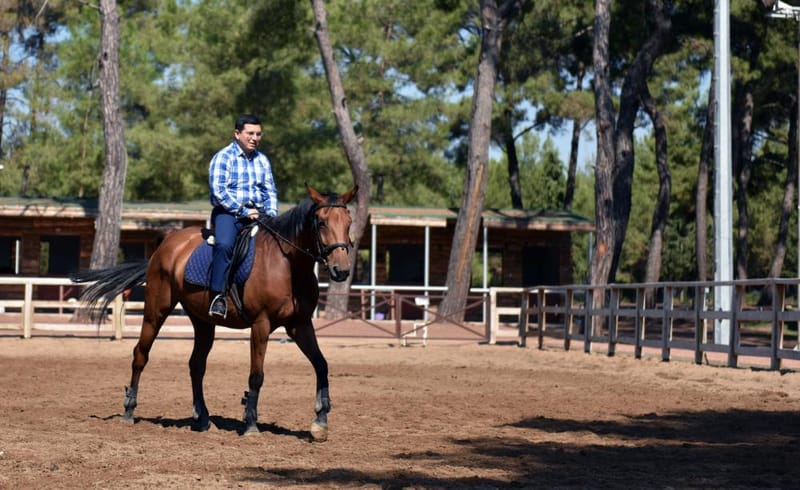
x=760, y=321
x=679, y=315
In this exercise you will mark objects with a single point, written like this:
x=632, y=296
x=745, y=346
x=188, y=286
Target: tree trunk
x=513, y=160
x=629, y=103
x=112, y=190
x=494, y=19
x=604, y=123
x=572, y=167
x=661, y=211
x=779, y=256
x=338, y=299
x=744, y=170
x=701, y=199
x=5, y=66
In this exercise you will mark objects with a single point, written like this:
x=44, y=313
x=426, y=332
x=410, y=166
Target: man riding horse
x=241, y=188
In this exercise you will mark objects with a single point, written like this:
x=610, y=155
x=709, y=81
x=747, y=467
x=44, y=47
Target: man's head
x=247, y=132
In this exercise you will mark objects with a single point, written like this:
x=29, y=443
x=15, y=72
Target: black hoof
x=198, y=426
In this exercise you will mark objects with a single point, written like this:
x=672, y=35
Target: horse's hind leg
x=156, y=310
x=203, y=341
x=306, y=340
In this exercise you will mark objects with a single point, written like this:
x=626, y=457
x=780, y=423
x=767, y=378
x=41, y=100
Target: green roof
x=199, y=210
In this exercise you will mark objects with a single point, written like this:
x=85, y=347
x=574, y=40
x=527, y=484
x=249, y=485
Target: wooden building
x=401, y=245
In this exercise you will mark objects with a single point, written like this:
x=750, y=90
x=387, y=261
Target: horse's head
x=332, y=224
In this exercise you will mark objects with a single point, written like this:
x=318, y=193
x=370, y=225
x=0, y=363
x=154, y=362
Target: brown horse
x=282, y=290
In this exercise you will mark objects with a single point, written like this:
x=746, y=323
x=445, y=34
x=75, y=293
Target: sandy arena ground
x=447, y=415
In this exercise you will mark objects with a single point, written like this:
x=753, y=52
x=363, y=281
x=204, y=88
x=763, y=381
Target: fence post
x=613, y=318
x=666, y=324
x=118, y=316
x=588, y=327
x=397, y=304
x=540, y=299
x=699, y=323
x=568, y=317
x=493, y=316
x=776, y=341
x=639, y=323
x=524, y=317
x=27, y=311
x=733, y=338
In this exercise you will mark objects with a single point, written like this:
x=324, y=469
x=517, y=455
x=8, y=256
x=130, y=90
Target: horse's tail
x=108, y=283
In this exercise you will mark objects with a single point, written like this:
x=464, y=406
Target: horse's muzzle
x=337, y=274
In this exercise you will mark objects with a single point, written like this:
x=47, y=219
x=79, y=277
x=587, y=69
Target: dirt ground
x=447, y=415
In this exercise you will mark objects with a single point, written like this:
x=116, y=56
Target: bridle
x=323, y=251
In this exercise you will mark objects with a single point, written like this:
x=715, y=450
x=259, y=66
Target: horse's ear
x=315, y=196
x=349, y=195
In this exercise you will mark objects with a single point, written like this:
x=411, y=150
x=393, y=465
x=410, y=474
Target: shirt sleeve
x=219, y=173
x=270, y=189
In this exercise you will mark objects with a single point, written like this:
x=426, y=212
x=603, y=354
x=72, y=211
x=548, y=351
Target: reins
x=322, y=252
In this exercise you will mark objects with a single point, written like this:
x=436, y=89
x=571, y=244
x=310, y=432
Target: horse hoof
x=251, y=431
x=319, y=432
x=197, y=427
x=128, y=419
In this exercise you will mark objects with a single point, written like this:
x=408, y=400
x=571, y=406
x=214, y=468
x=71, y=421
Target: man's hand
x=252, y=213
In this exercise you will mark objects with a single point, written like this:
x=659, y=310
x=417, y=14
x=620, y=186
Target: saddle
x=198, y=268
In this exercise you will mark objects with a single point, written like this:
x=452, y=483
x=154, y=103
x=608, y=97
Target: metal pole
x=723, y=221
x=797, y=163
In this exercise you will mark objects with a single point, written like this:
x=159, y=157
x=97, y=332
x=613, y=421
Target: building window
x=406, y=264
x=59, y=255
x=130, y=251
x=9, y=255
x=494, y=266
x=362, y=267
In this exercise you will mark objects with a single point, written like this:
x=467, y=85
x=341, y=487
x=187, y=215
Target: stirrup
x=218, y=307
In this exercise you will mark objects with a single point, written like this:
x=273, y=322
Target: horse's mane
x=291, y=223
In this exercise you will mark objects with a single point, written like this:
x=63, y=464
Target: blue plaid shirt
x=237, y=182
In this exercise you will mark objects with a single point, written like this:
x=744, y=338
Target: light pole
x=782, y=10
x=723, y=224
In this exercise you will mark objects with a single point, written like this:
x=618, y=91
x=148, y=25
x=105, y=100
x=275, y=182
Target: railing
x=50, y=304
x=666, y=316
x=661, y=316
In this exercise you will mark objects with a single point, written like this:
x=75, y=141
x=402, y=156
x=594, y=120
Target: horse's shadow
x=221, y=423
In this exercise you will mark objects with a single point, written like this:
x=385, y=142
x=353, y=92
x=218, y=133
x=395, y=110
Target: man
x=241, y=187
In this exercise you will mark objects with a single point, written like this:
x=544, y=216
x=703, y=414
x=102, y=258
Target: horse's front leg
x=259, y=335
x=306, y=340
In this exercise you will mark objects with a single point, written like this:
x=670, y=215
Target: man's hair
x=246, y=119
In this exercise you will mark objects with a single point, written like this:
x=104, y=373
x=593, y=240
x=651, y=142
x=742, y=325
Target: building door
x=540, y=266
x=9, y=255
x=60, y=255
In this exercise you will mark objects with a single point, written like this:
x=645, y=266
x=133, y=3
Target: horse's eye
x=321, y=224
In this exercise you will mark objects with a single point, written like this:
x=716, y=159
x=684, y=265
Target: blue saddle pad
x=198, y=269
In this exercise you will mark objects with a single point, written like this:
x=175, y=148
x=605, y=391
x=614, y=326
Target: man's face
x=249, y=137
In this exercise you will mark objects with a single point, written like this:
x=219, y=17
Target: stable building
x=403, y=246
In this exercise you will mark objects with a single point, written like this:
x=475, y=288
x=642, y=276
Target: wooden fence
x=761, y=321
